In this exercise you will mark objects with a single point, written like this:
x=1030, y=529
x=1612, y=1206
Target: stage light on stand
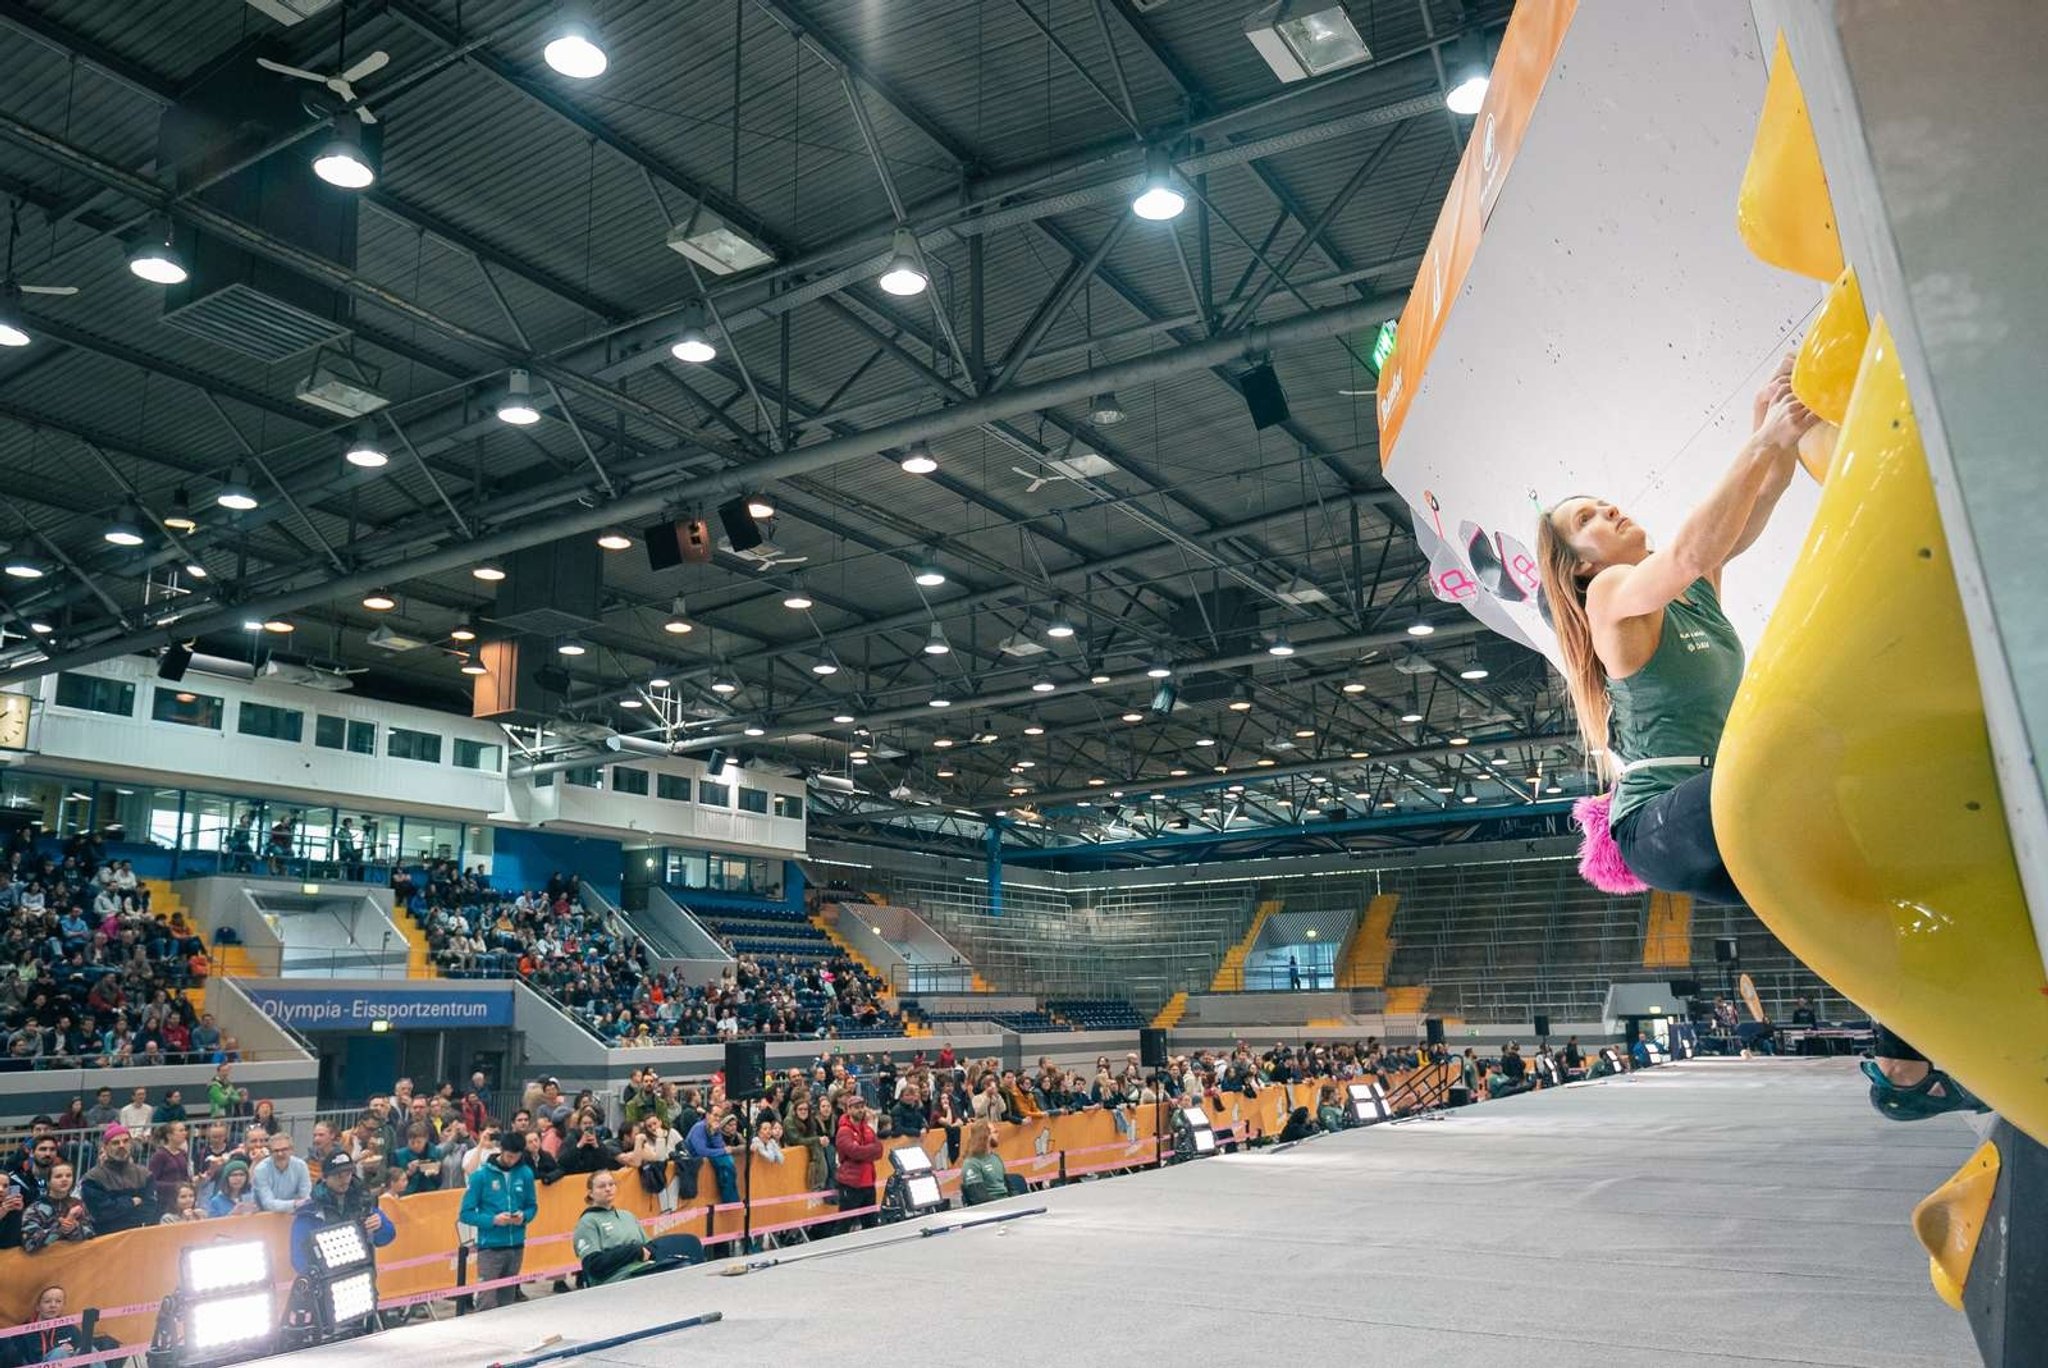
x=1367, y=1103
x=1195, y=1137
x=222, y=1310
x=342, y=1278
x=913, y=1186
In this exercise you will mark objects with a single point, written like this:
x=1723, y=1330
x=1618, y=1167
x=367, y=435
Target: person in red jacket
x=858, y=1150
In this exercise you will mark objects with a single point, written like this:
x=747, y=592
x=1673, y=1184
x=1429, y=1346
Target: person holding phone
x=58, y=1216
x=499, y=1203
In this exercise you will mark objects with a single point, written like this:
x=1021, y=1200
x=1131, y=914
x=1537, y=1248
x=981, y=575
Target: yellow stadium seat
x=1784, y=212
x=1854, y=799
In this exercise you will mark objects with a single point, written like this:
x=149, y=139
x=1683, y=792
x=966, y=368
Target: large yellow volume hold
x=1784, y=212
x=1854, y=797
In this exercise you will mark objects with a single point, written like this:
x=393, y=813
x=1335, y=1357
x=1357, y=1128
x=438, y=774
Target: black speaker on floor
x=740, y=528
x=176, y=659
x=746, y=1068
x=1542, y=1025
x=1725, y=951
x=1152, y=1047
x=1433, y=1027
x=1263, y=396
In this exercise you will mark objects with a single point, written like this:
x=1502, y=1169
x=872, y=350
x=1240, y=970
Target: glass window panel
x=714, y=795
x=93, y=694
x=478, y=755
x=626, y=780
x=789, y=805
x=402, y=743
x=754, y=800
x=674, y=787
x=187, y=709
x=585, y=776
x=276, y=724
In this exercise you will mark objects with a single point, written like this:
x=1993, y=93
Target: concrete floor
x=1712, y=1212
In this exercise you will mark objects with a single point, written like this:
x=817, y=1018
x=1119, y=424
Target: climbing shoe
x=1921, y=1100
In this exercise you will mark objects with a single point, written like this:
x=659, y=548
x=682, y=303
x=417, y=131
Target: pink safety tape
x=99, y=1356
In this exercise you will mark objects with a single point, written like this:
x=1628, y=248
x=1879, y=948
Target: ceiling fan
x=342, y=83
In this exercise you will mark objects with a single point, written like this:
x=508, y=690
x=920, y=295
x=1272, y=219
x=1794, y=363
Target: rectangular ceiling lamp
x=1304, y=38
x=716, y=245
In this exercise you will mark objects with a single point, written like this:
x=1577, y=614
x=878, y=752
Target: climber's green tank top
x=1676, y=704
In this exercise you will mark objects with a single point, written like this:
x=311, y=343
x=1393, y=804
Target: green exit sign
x=1383, y=346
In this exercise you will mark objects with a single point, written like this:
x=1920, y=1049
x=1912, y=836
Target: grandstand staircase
x=167, y=902
x=1667, y=933
x=1363, y=963
x=1169, y=1015
x=1230, y=973
x=913, y=1024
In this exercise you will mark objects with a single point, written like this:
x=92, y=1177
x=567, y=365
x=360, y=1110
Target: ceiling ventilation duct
x=289, y=12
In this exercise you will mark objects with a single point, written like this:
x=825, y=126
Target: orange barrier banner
x=1527, y=52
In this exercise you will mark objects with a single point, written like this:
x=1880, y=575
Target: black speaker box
x=740, y=528
x=1542, y=1024
x=176, y=659
x=1152, y=1047
x=664, y=545
x=1263, y=396
x=746, y=1068
x=1725, y=950
x=1685, y=988
x=1434, y=1028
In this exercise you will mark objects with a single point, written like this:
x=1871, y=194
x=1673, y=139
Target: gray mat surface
x=1714, y=1212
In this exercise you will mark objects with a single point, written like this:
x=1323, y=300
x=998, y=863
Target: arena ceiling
x=520, y=222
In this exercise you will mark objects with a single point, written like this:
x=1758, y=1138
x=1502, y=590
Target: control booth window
x=400, y=743
x=754, y=800
x=345, y=734
x=187, y=709
x=714, y=795
x=478, y=755
x=626, y=780
x=674, y=787
x=585, y=776
x=90, y=693
x=276, y=724
x=789, y=805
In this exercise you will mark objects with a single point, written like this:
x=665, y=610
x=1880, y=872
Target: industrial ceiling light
x=1100, y=676
x=1281, y=645
x=1468, y=77
x=1034, y=728
x=1421, y=629
x=1354, y=687
x=348, y=159
x=180, y=518
x=716, y=245
x=1474, y=668
x=657, y=681
x=125, y=529
x=826, y=663
x=1553, y=787
x=632, y=704
x=154, y=259
x=725, y=684
x=903, y=276
x=235, y=492
x=1460, y=740
x=364, y=451
x=1106, y=410
x=1205, y=741
x=1042, y=684
x=517, y=406
x=1304, y=38
x=280, y=625
x=1414, y=713
x=843, y=719
x=942, y=742
x=13, y=327
x=928, y=575
x=612, y=539
x=571, y=646
x=678, y=623
x=473, y=663
x=754, y=729
x=938, y=701
x=1159, y=669
x=935, y=642
x=380, y=601
x=694, y=346
x=1304, y=733
x=489, y=571
x=918, y=459
x=573, y=48
x=1134, y=716
x=1242, y=702
x=1160, y=198
x=1060, y=628
x=464, y=630
x=758, y=507
x=1466, y=795
x=25, y=567
x=796, y=600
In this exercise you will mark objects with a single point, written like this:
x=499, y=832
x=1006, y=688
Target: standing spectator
x=802, y=1133
x=858, y=1149
x=418, y=1161
x=223, y=1098
x=25, y=1182
x=184, y=1206
x=137, y=1117
x=707, y=1141
x=498, y=1204
x=172, y=1108
x=589, y=1154
x=282, y=1182
x=102, y=1113
x=119, y=1192
x=982, y=1177
x=58, y=1215
x=339, y=1197
x=232, y=1195
x=170, y=1163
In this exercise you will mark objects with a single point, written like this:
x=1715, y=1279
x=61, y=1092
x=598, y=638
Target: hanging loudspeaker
x=740, y=528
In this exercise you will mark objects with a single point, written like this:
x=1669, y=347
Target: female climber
x=1652, y=665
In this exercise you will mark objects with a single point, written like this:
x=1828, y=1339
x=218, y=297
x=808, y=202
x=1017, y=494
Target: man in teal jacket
x=499, y=1203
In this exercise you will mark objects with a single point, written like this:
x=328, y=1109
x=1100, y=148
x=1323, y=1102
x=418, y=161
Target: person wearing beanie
x=230, y=1193
x=499, y=1203
x=120, y=1193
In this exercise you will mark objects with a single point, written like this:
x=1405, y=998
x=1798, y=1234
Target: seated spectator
x=982, y=1176
x=58, y=1216
x=119, y=1192
x=184, y=1206
x=610, y=1244
x=231, y=1194
x=54, y=1342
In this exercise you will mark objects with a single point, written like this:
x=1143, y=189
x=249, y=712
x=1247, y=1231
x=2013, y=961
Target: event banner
x=339, y=1007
